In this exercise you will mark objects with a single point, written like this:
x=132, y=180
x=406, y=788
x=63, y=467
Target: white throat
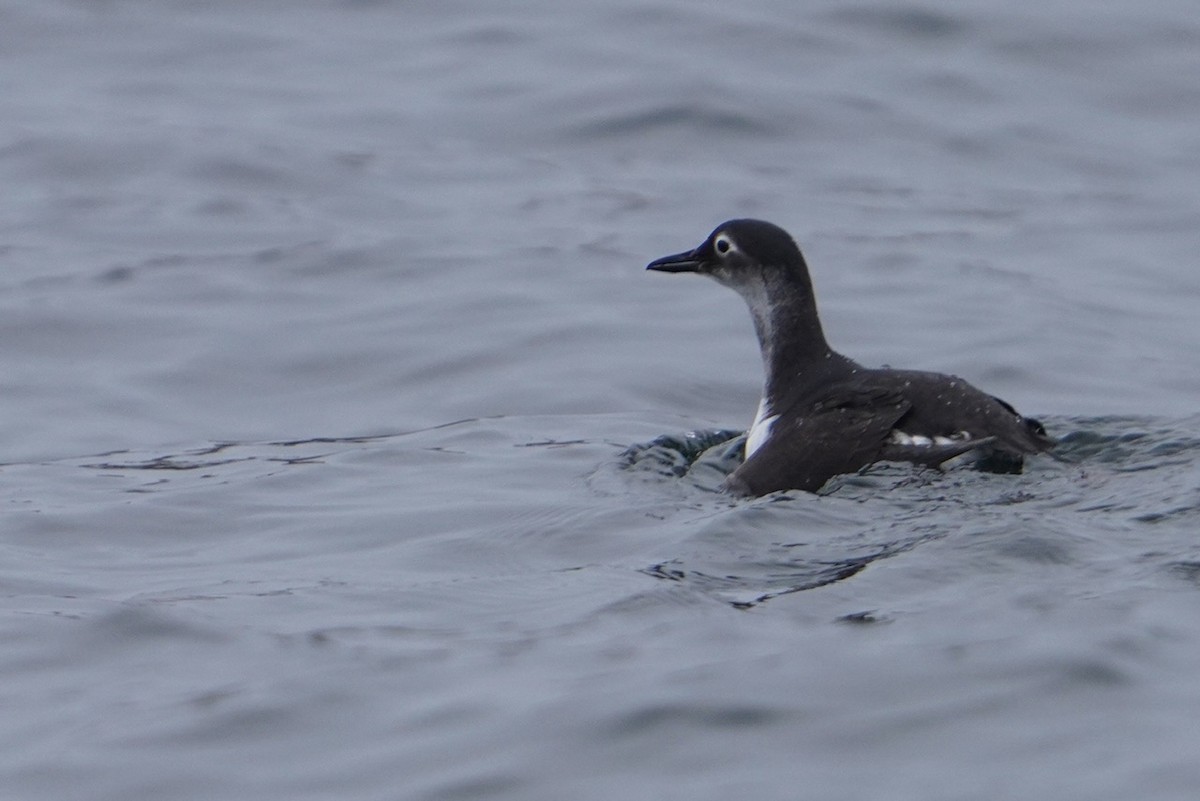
x=754, y=292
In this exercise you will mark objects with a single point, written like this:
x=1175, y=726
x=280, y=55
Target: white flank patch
x=760, y=431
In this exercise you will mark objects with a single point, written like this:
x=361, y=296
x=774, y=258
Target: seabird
x=823, y=414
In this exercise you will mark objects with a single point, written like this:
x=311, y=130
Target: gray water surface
x=349, y=452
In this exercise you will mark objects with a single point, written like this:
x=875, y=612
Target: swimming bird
x=823, y=414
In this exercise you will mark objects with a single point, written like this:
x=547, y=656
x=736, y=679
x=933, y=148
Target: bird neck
x=794, y=350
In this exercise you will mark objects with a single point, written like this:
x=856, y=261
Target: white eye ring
x=722, y=244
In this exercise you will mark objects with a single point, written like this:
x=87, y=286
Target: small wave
x=694, y=117
x=1110, y=474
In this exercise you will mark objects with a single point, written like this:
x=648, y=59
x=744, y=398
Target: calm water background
x=323, y=330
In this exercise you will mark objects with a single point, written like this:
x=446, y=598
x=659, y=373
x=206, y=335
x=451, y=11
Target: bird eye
x=722, y=244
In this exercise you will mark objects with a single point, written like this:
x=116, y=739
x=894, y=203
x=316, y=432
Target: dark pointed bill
x=685, y=262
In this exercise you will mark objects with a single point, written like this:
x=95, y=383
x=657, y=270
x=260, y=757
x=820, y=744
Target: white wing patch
x=921, y=441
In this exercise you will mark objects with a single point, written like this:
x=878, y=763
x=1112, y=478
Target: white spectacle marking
x=760, y=431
